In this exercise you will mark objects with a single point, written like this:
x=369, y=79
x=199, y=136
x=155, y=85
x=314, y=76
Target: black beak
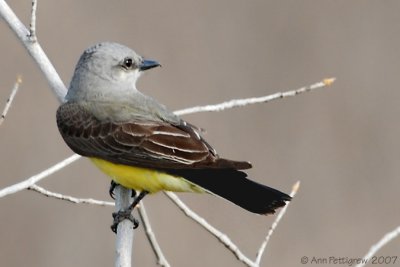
x=148, y=64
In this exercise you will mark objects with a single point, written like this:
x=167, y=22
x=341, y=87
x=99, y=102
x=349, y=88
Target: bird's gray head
x=107, y=70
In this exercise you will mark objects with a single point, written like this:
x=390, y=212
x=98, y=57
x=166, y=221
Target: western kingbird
x=139, y=143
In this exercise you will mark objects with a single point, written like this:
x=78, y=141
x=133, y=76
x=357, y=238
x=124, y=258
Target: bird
x=142, y=145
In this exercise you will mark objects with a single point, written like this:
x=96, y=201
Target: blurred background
x=341, y=142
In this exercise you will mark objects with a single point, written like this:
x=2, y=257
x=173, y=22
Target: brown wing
x=155, y=144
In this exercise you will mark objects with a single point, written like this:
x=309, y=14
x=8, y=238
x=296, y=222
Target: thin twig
x=282, y=212
x=381, y=243
x=75, y=200
x=34, y=49
x=37, y=177
x=32, y=25
x=223, y=238
x=125, y=233
x=124, y=238
x=10, y=99
x=161, y=260
x=254, y=100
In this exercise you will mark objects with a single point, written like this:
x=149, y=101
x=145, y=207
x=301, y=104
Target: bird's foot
x=127, y=214
x=113, y=185
x=122, y=215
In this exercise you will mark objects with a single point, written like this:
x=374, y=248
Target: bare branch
x=124, y=239
x=254, y=100
x=32, y=25
x=35, y=178
x=75, y=200
x=376, y=247
x=34, y=49
x=10, y=99
x=282, y=212
x=125, y=233
x=161, y=260
x=223, y=238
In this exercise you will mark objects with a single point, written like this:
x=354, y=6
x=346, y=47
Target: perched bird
x=139, y=143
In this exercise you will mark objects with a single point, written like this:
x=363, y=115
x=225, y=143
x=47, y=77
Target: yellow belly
x=145, y=179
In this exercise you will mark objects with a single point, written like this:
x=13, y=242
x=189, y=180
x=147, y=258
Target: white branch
x=34, y=50
x=35, y=178
x=381, y=243
x=58, y=87
x=75, y=200
x=282, y=212
x=254, y=100
x=32, y=26
x=161, y=260
x=124, y=240
x=125, y=232
x=223, y=238
x=10, y=99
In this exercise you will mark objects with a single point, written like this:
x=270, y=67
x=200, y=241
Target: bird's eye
x=128, y=63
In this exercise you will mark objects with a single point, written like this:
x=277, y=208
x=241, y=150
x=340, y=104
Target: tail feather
x=233, y=185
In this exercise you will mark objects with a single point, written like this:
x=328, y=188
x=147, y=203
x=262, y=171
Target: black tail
x=234, y=186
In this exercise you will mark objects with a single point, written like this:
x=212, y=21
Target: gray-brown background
x=342, y=142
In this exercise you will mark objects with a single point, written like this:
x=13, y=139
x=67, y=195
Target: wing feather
x=137, y=142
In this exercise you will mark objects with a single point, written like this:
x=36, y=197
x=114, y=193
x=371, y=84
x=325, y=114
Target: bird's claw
x=113, y=185
x=122, y=215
